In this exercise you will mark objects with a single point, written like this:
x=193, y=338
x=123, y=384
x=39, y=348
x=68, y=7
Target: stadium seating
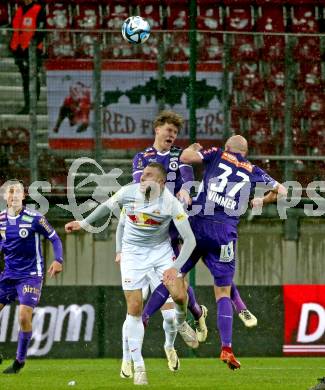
x=60, y=41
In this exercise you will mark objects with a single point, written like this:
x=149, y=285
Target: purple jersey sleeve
x=209, y=155
x=260, y=176
x=43, y=227
x=186, y=172
x=137, y=167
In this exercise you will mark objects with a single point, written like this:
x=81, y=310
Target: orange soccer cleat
x=227, y=356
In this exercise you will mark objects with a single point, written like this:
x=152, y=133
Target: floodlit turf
x=91, y=374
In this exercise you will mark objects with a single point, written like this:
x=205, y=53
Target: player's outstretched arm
x=278, y=192
x=55, y=268
x=190, y=155
x=72, y=226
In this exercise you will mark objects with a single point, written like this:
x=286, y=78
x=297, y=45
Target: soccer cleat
x=320, y=385
x=248, y=318
x=14, y=368
x=229, y=358
x=188, y=335
x=200, y=326
x=126, y=369
x=172, y=358
x=140, y=376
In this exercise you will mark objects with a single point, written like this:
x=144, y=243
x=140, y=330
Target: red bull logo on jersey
x=142, y=219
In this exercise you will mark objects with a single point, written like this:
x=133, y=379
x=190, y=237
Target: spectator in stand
x=28, y=24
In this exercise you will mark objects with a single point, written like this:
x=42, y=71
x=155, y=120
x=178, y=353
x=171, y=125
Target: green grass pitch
x=196, y=373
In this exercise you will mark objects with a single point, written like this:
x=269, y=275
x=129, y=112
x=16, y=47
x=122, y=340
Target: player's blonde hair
x=170, y=117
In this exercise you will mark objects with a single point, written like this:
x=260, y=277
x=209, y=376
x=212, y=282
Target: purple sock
x=236, y=299
x=156, y=300
x=23, y=342
x=192, y=305
x=224, y=320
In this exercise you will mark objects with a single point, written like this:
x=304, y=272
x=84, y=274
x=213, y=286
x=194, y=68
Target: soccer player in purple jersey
x=22, y=277
x=228, y=180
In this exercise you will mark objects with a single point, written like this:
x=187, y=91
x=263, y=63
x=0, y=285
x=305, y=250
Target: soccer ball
x=135, y=30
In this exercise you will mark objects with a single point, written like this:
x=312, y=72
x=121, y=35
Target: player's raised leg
x=224, y=325
x=244, y=314
x=177, y=290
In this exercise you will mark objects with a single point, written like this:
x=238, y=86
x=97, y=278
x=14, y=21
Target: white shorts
x=154, y=282
x=137, y=262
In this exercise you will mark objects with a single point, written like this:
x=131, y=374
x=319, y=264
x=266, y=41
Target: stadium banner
x=130, y=94
x=86, y=321
x=304, y=313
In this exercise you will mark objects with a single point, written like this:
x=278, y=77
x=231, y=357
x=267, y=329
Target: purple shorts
x=27, y=290
x=216, y=244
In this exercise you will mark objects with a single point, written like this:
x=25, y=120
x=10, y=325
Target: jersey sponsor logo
x=27, y=218
x=23, y=233
x=233, y=159
x=143, y=220
x=28, y=289
x=45, y=225
x=25, y=225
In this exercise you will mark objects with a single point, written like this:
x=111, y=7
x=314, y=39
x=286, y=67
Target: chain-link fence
x=258, y=71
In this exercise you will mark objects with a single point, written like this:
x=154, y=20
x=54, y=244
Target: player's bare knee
x=135, y=308
x=222, y=292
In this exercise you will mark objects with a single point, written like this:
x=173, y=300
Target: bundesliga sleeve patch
x=45, y=225
x=180, y=217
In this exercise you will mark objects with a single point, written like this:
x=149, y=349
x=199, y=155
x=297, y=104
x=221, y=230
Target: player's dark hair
x=160, y=168
x=168, y=117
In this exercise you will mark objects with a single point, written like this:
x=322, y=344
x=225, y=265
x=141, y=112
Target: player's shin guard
x=23, y=343
x=236, y=299
x=169, y=326
x=224, y=320
x=156, y=300
x=192, y=305
x=135, y=333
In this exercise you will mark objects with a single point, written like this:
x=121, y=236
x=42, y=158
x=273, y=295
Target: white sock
x=169, y=325
x=181, y=312
x=125, y=343
x=135, y=333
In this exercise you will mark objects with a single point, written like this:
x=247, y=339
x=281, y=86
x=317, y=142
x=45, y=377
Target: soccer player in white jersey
x=167, y=312
x=149, y=208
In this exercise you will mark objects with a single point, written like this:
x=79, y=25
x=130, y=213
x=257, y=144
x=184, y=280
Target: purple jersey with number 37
x=228, y=181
